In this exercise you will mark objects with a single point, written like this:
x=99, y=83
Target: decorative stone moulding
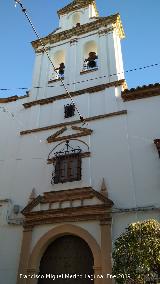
x=87, y=119
x=104, y=190
x=89, y=90
x=157, y=143
x=83, y=29
x=105, y=31
x=75, y=5
x=32, y=195
x=41, y=50
x=82, y=132
x=99, y=210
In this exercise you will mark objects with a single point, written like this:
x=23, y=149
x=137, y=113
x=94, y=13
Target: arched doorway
x=67, y=256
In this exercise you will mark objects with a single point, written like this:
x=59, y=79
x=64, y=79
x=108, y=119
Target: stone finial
x=32, y=196
x=104, y=190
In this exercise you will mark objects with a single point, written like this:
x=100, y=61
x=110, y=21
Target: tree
x=137, y=253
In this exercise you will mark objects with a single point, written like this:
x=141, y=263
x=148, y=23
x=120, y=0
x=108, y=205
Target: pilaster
x=24, y=256
x=37, y=75
x=113, y=55
x=106, y=249
x=72, y=64
x=103, y=58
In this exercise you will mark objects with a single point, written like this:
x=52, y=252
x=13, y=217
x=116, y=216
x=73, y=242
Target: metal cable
x=83, y=81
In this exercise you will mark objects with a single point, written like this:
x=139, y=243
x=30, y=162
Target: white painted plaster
x=122, y=148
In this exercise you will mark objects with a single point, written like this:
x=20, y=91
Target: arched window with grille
x=67, y=161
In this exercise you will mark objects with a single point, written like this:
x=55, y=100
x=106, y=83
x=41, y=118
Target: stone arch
x=58, y=57
x=90, y=55
x=53, y=234
x=76, y=18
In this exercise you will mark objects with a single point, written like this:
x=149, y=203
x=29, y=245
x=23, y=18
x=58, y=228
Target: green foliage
x=137, y=253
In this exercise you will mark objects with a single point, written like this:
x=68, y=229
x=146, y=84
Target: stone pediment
x=72, y=133
x=67, y=205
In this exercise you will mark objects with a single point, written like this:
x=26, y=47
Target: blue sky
x=141, y=47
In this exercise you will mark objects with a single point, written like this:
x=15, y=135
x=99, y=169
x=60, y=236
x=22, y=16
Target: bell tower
x=85, y=50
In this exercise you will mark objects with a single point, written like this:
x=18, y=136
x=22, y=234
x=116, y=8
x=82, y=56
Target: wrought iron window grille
x=67, y=165
x=69, y=110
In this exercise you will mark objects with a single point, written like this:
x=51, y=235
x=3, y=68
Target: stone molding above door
x=72, y=205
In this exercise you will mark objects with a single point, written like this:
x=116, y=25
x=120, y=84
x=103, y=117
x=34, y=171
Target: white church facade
x=70, y=186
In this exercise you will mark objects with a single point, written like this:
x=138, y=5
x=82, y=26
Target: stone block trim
x=90, y=90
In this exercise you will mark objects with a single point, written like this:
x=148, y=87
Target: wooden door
x=68, y=256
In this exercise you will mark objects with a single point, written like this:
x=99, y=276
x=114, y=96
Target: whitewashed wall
x=122, y=148
x=122, y=151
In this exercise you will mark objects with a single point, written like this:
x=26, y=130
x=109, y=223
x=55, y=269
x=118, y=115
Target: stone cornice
x=87, y=119
x=78, y=213
x=81, y=133
x=83, y=29
x=65, y=195
x=143, y=92
x=83, y=213
x=74, y=194
x=89, y=90
x=76, y=5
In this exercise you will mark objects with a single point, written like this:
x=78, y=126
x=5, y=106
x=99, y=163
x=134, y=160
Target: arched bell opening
x=76, y=19
x=69, y=260
x=58, y=60
x=90, y=55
